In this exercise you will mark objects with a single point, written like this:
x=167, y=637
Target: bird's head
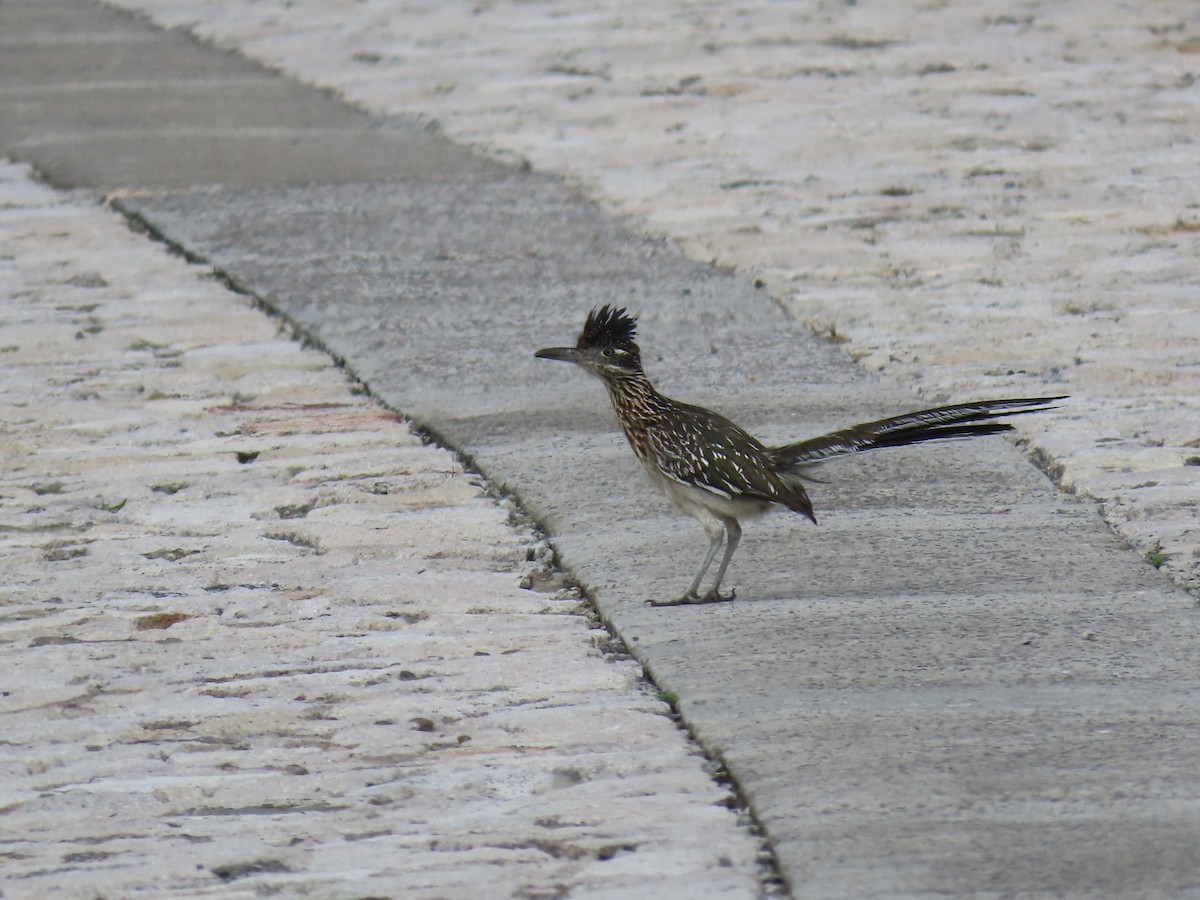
x=606, y=345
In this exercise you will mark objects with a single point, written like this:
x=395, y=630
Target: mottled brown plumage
x=718, y=473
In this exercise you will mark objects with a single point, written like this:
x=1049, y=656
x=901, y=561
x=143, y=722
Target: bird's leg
x=715, y=538
x=733, y=532
x=716, y=528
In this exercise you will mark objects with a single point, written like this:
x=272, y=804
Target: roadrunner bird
x=717, y=473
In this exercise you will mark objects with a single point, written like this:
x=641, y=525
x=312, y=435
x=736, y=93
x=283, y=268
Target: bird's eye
x=607, y=352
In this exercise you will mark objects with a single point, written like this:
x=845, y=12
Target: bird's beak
x=566, y=354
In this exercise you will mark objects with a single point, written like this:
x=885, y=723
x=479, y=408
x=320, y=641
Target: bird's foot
x=693, y=599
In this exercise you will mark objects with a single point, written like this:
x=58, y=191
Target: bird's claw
x=693, y=599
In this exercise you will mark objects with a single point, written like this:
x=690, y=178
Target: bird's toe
x=692, y=599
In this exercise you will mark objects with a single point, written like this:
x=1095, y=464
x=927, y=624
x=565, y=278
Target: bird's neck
x=631, y=392
x=638, y=407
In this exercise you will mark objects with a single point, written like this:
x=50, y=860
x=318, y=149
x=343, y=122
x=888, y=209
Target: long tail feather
x=961, y=420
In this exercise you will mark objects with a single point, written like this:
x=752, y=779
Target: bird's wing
x=702, y=449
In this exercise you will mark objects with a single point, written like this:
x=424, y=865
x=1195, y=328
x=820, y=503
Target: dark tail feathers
x=943, y=423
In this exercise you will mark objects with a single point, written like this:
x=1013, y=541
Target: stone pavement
x=260, y=638
x=929, y=694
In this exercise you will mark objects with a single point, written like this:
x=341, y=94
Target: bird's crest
x=608, y=327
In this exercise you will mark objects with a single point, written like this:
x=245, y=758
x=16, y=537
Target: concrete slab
x=938, y=581
x=99, y=98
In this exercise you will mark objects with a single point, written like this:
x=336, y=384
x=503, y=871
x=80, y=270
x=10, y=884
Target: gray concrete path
x=961, y=683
